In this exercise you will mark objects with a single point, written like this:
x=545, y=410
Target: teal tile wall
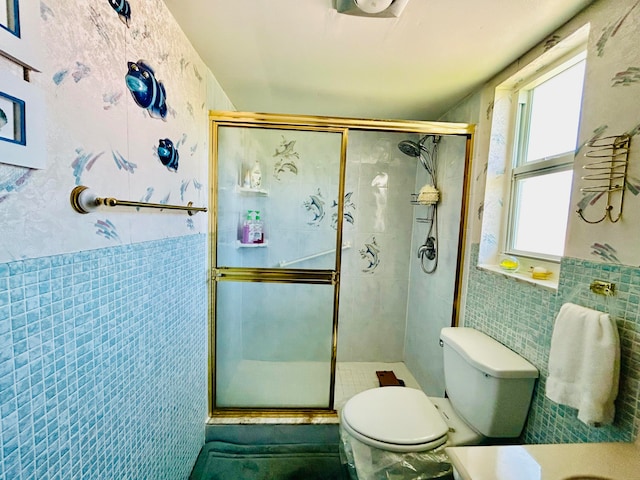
x=103, y=362
x=521, y=316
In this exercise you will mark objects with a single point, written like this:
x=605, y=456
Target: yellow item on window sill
x=540, y=273
x=509, y=264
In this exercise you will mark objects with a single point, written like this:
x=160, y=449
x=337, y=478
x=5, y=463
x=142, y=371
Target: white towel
x=584, y=363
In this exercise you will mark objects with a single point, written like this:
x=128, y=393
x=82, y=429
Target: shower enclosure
x=290, y=246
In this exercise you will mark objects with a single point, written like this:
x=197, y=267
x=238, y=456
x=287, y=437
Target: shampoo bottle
x=258, y=229
x=256, y=176
x=246, y=228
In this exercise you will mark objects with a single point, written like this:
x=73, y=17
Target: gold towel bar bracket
x=83, y=201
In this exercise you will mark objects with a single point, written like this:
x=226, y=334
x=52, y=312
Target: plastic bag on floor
x=369, y=463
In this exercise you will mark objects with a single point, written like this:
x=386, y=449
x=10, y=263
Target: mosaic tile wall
x=103, y=362
x=521, y=316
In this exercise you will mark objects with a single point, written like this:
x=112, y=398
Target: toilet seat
x=397, y=419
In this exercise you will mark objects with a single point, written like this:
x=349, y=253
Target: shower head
x=413, y=149
x=409, y=148
x=419, y=150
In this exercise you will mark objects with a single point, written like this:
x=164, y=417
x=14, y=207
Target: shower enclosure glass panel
x=276, y=265
x=297, y=199
x=273, y=345
x=274, y=301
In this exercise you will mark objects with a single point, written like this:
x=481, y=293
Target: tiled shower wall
x=375, y=271
x=103, y=362
x=521, y=316
x=431, y=296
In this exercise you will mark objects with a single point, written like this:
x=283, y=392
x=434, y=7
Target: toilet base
x=370, y=463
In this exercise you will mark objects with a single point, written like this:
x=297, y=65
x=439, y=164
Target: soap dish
x=540, y=275
x=508, y=263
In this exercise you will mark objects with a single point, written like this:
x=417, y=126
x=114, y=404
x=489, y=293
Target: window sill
x=551, y=285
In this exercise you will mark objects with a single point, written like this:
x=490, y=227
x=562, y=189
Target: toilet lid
x=397, y=416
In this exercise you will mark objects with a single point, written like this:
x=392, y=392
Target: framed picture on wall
x=22, y=125
x=20, y=32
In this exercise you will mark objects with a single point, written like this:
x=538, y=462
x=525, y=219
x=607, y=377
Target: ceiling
x=303, y=57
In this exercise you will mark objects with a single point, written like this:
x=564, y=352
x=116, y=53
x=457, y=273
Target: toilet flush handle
x=441, y=343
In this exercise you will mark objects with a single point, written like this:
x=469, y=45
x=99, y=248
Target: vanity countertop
x=611, y=461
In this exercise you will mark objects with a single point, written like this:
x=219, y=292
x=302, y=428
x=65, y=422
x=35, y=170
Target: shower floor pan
x=301, y=384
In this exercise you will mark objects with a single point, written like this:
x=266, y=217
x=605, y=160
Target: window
x=546, y=129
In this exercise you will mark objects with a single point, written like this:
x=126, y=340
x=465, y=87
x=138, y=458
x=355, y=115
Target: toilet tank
x=489, y=385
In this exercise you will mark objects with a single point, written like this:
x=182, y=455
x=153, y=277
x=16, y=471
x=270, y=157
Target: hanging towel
x=584, y=363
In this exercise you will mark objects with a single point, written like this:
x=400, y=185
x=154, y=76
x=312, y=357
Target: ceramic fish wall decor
x=168, y=154
x=146, y=90
x=123, y=9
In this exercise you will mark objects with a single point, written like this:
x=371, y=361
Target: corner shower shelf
x=239, y=244
x=252, y=191
x=414, y=201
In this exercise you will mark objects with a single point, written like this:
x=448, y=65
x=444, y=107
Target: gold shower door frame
x=321, y=277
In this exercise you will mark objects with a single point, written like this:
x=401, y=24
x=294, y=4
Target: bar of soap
x=540, y=273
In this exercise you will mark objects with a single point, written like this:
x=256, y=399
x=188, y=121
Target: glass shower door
x=275, y=265
x=275, y=351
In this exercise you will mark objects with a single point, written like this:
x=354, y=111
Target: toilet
x=489, y=389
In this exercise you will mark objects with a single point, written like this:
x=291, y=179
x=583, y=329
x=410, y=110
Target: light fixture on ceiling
x=371, y=8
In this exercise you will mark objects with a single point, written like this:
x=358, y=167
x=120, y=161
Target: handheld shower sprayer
x=428, y=251
x=409, y=147
x=425, y=154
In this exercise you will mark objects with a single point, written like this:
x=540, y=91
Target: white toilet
x=489, y=389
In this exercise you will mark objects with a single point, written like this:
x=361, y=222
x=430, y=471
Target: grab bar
x=83, y=201
x=283, y=263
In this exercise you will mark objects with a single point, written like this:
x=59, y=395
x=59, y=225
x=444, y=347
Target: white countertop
x=612, y=461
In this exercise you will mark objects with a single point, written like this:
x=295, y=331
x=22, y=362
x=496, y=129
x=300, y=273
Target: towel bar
x=83, y=202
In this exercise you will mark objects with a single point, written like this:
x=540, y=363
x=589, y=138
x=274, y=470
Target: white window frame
x=518, y=168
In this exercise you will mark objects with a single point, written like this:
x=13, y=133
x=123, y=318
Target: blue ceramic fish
x=168, y=154
x=148, y=92
x=123, y=9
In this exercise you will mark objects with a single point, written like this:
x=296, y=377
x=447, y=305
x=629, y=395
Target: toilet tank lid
x=487, y=354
